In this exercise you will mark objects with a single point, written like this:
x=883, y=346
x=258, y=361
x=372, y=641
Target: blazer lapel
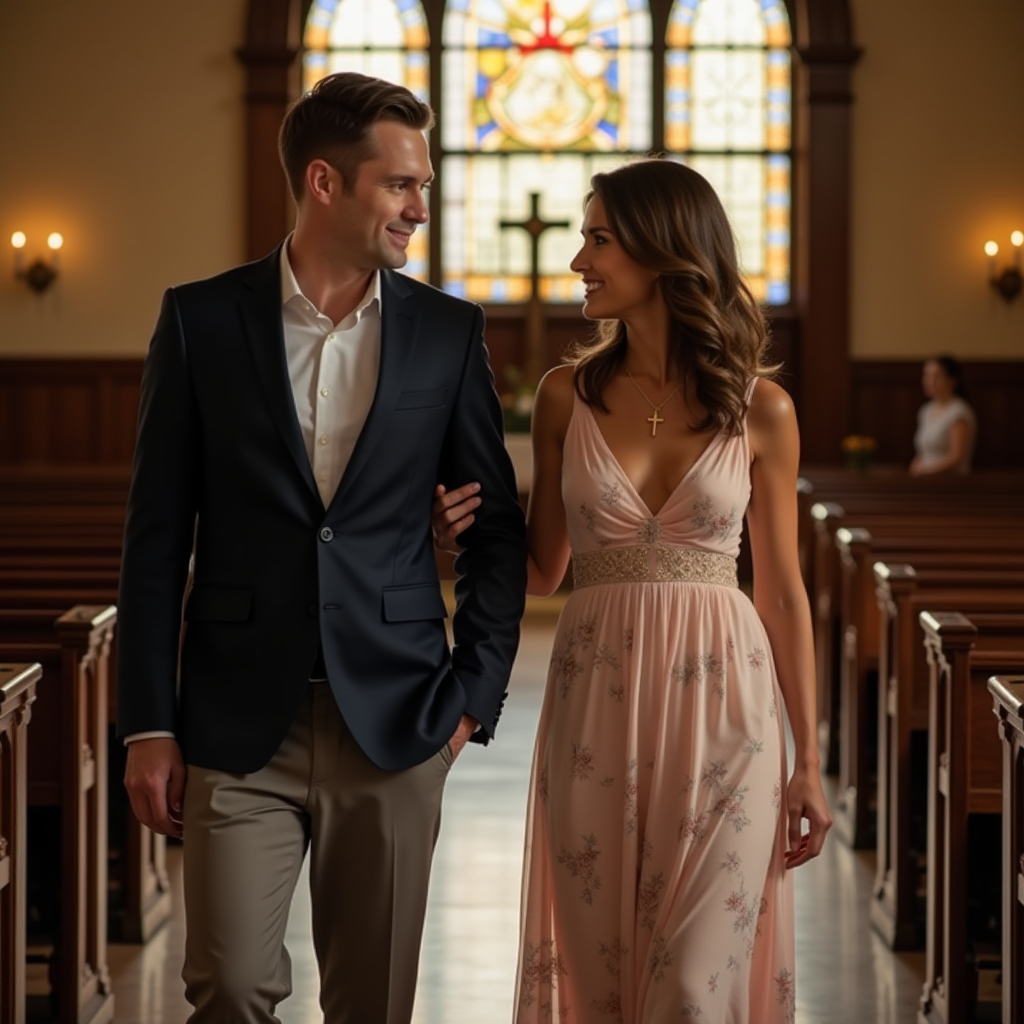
x=264, y=331
x=398, y=326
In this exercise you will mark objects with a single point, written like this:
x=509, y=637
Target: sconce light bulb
x=18, y=239
x=991, y=248
x=55, y=241
x=1017, y=238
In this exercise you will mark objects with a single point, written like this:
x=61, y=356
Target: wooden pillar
x=270, y=56
x=821, y=194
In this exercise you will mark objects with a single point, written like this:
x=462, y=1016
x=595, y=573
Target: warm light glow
x=1017, y=238
x=991, y=248
x=18, y=239
x=55, y=241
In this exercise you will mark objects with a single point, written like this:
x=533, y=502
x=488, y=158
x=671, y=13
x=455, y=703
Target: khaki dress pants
x=370, y=836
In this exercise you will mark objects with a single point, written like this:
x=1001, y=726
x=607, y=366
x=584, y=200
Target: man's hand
x=155, y=780
x=467, y=726
x=452, y=513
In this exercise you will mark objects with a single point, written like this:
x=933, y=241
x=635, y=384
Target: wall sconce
x=1008, y=280
x=40, y=274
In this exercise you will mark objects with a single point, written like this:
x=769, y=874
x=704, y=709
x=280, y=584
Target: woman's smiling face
x=615, y=284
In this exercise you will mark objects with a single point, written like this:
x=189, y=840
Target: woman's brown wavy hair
x=668, y=219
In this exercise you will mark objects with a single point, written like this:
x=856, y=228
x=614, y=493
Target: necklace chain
x=653, y=419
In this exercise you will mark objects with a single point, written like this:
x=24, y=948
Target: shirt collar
x=290, y=289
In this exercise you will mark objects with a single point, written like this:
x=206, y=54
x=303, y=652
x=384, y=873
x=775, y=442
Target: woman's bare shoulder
x=554, y=399
x=771, y=417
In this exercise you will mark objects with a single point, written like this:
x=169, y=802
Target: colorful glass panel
x=728, y=114
x=487, y=263
x=547, y=75
x=384, y=38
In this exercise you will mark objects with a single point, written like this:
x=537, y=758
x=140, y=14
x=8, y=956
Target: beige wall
x=938, y=168
x=122, y=129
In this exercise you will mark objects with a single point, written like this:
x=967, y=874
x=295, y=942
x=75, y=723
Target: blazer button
x=327, y=535
x=312, y=610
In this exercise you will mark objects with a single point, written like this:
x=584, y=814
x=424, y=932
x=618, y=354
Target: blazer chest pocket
x=218, y=604
x=410, y=400
x=409, y=604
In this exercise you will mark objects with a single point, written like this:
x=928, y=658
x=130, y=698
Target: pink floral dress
x=654, y=886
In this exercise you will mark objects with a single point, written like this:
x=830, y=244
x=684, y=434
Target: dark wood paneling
x=886, y=396
x=68, y=412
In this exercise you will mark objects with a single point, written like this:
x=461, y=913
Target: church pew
x=902, y=592
x=964, y=780
x=1008, y=700
x=139, y=896
x=859, y=645
x=910, y=533
x=17, y=693
x=67, y=771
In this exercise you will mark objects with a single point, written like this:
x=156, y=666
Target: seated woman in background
x=946, y=426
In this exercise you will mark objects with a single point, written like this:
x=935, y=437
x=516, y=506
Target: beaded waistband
x=653, y=563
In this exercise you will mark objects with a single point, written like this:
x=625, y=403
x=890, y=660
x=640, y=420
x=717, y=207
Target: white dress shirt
x=334, y=369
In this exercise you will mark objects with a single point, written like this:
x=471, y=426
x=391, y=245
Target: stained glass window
x=384, y=38
x=727, y=113
x=538, y=95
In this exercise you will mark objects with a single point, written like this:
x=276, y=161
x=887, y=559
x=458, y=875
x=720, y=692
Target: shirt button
x=327, y=535
x=323, y=440
x=325, y=392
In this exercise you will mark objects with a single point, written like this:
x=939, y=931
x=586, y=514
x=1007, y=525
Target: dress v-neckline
x=625, y=476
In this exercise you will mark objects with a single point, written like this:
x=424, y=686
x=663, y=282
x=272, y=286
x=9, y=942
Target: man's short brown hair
x=333, y=121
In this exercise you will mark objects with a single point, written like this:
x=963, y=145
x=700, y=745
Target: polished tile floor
x=845, y=975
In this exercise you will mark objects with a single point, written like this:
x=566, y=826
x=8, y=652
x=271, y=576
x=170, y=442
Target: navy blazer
x=220, y=464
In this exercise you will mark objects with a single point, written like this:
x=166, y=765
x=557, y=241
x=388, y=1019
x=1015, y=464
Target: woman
x=660, y=822
x=946, y=427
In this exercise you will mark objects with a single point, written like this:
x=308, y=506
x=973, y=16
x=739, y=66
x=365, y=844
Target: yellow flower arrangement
x=859, y=450
x=859, y=443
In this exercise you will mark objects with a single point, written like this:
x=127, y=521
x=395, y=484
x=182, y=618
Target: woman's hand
x=451, y=513
x=805, y=798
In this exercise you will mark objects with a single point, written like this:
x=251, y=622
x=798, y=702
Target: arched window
x=537, y=95
x=728, y=112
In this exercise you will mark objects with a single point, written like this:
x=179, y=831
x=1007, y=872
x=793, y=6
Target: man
x=296, y=415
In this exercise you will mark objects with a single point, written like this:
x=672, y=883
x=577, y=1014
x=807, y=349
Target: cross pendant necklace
x=654, y=419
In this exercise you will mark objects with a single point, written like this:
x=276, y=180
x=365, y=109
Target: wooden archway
x=812, y=333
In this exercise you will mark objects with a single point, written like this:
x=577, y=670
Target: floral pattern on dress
x=542, y=967
x=697, y=668
x=649, y=531
x=610, y=1006
x=648, y=899
x=582, y=763
x=582, y=865
x=659, y=959
x=785, y=993
x=714, y=522
x=610, y=494
x=612, y=954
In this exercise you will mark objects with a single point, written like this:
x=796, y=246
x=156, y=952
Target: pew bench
x=67, y=771
x=903, y=592
x=964, y=779
x=18, y=684
x=859, y=646
x=911, y=540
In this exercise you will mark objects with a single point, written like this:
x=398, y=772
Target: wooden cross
x=535, y=226
x=654, y=420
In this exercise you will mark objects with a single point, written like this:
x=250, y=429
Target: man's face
x=375, y=217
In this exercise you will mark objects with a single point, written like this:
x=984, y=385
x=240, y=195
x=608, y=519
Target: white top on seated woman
x=946, y=425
